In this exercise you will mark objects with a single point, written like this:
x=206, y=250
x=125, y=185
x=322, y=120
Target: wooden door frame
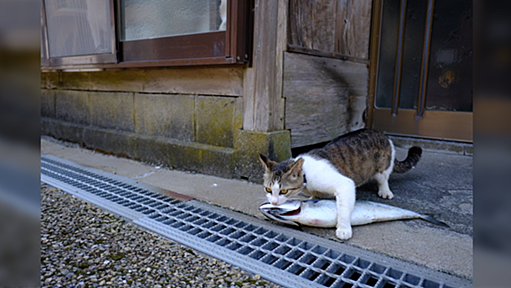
x=416, y=123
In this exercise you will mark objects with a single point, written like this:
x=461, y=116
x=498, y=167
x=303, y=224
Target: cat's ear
x=266, y=162
x=295, y=170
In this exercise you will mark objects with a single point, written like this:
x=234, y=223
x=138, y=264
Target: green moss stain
x=214, y=120
x=248, y=145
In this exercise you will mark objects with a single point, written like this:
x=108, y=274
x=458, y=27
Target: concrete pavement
x=440, y=185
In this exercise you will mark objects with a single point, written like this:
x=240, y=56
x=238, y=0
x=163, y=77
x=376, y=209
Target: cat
x=336, y=170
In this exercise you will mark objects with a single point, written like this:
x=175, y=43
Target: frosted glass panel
x=78, y=27
x=412, y=53
x=388, y=46
x=450, y=67
x=146, y=19
x=449, y=84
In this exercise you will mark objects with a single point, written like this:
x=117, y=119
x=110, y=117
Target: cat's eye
x=268, y=189
x=283, y=191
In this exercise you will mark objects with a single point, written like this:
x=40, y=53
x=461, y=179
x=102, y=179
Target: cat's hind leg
x=383, y=184
x=383, y=177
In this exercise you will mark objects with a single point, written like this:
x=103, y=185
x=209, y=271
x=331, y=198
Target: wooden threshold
x=442, y=125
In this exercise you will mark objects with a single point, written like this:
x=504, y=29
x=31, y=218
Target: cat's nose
x=274, y=202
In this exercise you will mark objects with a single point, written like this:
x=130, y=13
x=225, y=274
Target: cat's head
x=282, y=180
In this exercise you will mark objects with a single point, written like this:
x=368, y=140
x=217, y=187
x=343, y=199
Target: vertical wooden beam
x=374, y=50
x=425, y=59
x=399, y=57
x=282, y=41
x=263, y=102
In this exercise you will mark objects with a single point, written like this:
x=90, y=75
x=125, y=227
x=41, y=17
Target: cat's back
x=358, y=154
x=353, y=142
x=364, y=139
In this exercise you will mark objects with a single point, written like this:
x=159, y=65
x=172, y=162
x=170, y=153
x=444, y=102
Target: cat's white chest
x=323, y=180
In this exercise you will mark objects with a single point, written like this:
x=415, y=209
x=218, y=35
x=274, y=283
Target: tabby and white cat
x=336, y=169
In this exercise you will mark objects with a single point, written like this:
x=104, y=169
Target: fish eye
x=283, y=191
x=268, y=189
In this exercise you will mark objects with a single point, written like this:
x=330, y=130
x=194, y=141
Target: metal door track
x=282, y=255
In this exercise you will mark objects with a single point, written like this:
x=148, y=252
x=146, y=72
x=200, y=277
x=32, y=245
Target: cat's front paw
x=343, y=233
x=385, y=194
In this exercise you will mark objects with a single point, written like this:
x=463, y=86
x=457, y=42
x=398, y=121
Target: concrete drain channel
x=282, y=255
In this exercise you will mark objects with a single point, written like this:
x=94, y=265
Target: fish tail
x=430, y=219
x=414, y=155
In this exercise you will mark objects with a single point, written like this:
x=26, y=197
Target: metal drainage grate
x=285, y=256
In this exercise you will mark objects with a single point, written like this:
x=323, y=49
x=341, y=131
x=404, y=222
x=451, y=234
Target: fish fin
x=430, y=219
x=290, y=224
x=296, y=226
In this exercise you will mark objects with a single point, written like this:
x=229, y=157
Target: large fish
x=323, y=213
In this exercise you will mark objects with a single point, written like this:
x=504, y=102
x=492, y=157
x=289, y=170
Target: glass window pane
x=387, y=58
x=412, y=53
x=143, y=19
x=450, y=66
x=78, y=27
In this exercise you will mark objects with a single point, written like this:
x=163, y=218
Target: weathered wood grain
x=300, y=19
x=264, y=105
x=353, y=23
x=323, y=25
x=317, y=92
x=341, y=26
x=204, y=81
x=282, y=28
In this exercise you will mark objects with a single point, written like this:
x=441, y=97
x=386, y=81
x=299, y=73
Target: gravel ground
x=85, y=246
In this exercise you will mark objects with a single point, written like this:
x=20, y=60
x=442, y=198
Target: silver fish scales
x=323, y=213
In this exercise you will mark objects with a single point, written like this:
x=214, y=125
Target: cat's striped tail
x=414, y=154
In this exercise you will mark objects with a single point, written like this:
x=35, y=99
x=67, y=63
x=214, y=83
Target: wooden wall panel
x=300, y=18
x=353, y=22
x=336, y=26
x=318, y=93
x=205, y=81
x=323, y=25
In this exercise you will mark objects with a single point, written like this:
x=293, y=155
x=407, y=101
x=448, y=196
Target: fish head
x=282, y=212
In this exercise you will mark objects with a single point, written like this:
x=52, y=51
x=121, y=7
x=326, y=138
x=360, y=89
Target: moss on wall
x=188, y=131
x=248, y=146
x=239, y=162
